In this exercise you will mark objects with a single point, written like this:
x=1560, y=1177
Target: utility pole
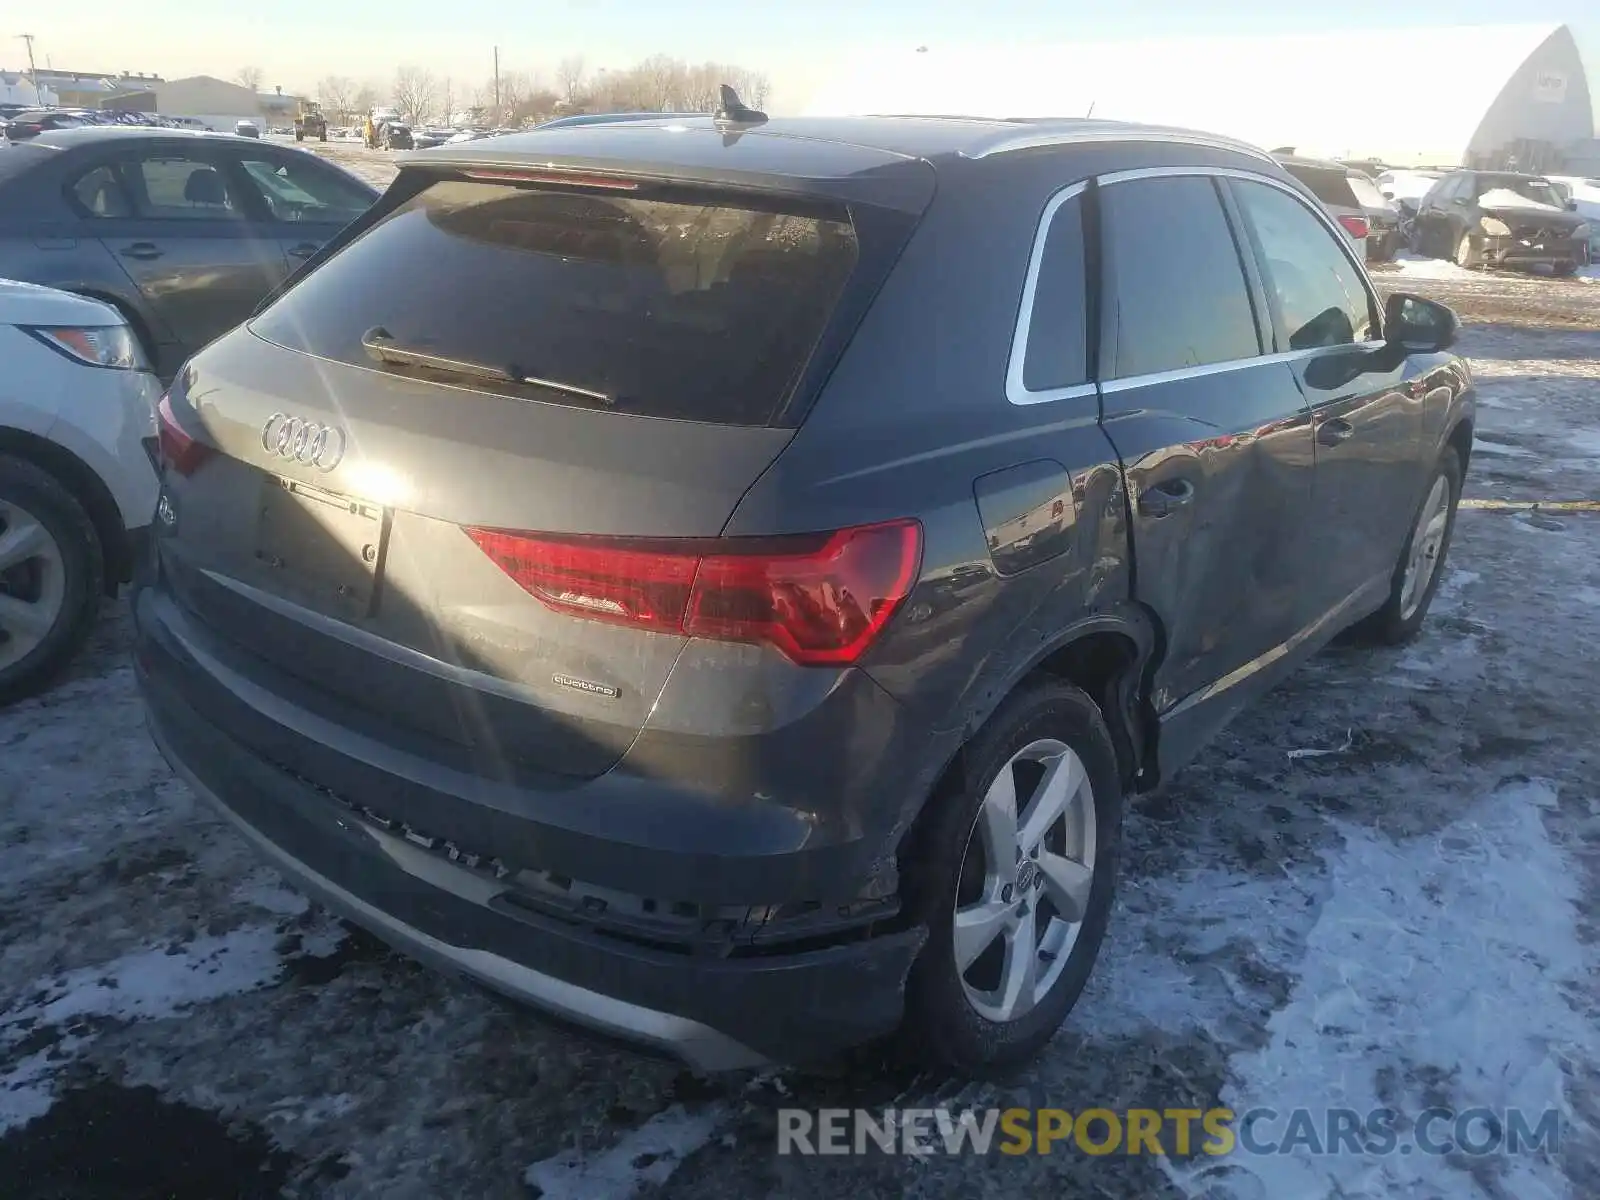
x=33, y=71
x=498, y=120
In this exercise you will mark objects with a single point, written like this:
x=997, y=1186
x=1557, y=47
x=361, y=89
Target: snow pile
x=146, y=985
x=644, y=1157
x=1506, y=198
x=1444, y=970
x=1434, y=268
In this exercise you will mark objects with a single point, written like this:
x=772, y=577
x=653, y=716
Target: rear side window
x=1055, y=355
x=695, y=307
x=1177, y=295
x=1320, y=297
x=176, y=188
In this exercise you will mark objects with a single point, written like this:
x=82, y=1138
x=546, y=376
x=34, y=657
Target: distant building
x=219, y=104
x=80, y=89
x=1485, y=96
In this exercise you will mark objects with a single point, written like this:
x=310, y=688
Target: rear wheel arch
x=86, y=487
x=1107, y=656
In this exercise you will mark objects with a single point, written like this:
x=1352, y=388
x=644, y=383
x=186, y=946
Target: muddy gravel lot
x=1409, y=917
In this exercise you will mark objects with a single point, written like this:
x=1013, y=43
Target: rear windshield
x=682, y=304
x=1329, y=184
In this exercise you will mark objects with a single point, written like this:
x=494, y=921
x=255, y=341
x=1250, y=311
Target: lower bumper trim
x=699, y=1045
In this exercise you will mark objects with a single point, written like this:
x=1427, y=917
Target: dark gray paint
x=723, y=775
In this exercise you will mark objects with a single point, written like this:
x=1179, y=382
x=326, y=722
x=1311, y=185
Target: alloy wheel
x=1427, y=544
x=1025, y=880
x=33, y=583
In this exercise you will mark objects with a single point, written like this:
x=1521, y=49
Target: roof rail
x=1111, y=131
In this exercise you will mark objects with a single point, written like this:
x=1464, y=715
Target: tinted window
x=688, y=307
x=175, y=187
x=306, y=191
x=1055, y=355
x=1177, y=295
x=100, y=194
x=1320, y=296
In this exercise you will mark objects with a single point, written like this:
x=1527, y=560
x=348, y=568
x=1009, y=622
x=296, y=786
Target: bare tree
x=365, y=100
x=757, y=89
x=571, y=72
x=414, y=90
x=250, y=77
x=514, y=89
x=337, y=94
x=447, y=100
x=540, y=104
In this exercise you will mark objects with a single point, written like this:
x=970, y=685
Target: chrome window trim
x=1218, y=368
x=1016, y=391
x=1019, y=395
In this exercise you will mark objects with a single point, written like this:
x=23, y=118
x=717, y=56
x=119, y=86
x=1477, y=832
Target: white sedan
x=78, y=484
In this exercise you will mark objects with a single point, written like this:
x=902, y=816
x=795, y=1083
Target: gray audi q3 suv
x=718, y=580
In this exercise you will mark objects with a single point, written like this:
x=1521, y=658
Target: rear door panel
x=1216, y=444
x=203, y=267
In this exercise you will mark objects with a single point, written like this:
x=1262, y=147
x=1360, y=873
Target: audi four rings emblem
x=306, y=442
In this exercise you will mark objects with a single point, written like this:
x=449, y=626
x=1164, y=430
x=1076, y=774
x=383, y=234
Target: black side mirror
x=1572, y=206
x=1420, y=326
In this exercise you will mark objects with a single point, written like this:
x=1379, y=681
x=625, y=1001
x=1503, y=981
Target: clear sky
x=296, y=42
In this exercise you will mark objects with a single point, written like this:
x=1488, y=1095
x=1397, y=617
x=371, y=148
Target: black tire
x=1393, y=625
x=64, y=520
x=941, y=1029
x=1563, y=269
x=1464, y=255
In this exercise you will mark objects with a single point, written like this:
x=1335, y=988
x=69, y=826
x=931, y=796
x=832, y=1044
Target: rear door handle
x=304, y=250
x=1335, y=430
x=143, y=250
x=1165, y=498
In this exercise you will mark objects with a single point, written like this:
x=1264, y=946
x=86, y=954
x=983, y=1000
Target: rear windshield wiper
x=380, y=344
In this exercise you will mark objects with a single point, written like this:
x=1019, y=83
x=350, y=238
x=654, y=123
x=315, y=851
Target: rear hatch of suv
x=1330, y=183
x=453, y=487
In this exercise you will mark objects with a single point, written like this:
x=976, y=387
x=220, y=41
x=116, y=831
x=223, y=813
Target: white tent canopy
x=1403, y=95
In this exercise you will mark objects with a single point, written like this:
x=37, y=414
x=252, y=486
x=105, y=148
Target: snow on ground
x=1409, y=917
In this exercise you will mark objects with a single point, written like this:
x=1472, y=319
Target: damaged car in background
x=1501, y=219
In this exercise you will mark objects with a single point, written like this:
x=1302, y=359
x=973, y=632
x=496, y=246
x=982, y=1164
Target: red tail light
x=1356, y=227
x=178, y=450
x=821, y=599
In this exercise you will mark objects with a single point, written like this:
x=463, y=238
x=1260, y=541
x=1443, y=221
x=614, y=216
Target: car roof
x=66, y=139
x=903, y=137
x=1321, y=164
